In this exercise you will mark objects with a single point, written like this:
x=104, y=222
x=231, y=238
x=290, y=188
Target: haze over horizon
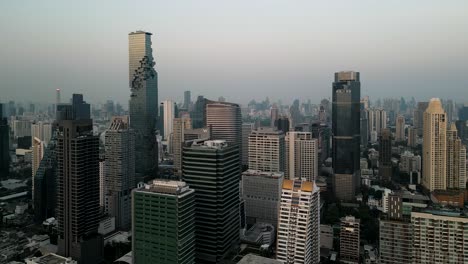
x=244, y=50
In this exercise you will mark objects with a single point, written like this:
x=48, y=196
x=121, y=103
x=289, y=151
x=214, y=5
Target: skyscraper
x=42, y=131
x=212, y=169
x=45, y=185
x=163, y=223
x=283, y=124
x=169, y=115
x=198, y=112
x=385, y=155
x=246, y=130
x=456, y=160
x=78, y=207
x=349, y=239
x=274, y=115
x=182, y=131
x=434, y=147
x=412, y=137
x=299, y=223
x=261, y=192
x=119, y=171
x=37, y=155
x=187, y=100
x=4, y=145
x=301, y=156
x=400, y=128
x=224, y=120
x=57, y=97
x=418, y=116
x=143, y=104
x=377, y=120
x=267, y=150
x=346, y=133
x=364, y=127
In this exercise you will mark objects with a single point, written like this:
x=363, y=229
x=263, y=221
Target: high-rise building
x=212, y=169
x=57, y=97
x=169, y=115
x=274, y=115
x=224, y=120
x=385, y=155
x=78, y=207
x=349, y=239
x=456, y=160
x=45, y=187
x=435, y=147
x=198, y=112
x=21, y=128
x=412, y=137
x=143, y=104
x=179, y=125
x=439, y=238
x=301, y=156
x=163, y=223
x=299, y=223
x=119, y=171
x=247, y=128
x=4, y=145
x=182, y=132
x=346, y=134
x=418, y=117
x=395, y=242
x=37, y=155
x=364, y=127
x=377, y=120
x=261, y=193
x=42, y=131
x=448, y=107
x=400, y=128
x=187, y=100
x=282, y=124
x=267, y=150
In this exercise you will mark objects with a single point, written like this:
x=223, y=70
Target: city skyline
x=285, y=48
x=227, y=138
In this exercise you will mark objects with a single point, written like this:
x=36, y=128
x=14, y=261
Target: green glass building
x=163, y=223
x=212, y=169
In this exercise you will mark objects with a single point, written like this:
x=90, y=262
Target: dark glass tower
x=45, y=184
x=4, y=145
x=212, y=169
x=78, y=209
x=283, y=124
x=346, y=133
x=198, y=113
x=143, y=105
x=187, y=100
x=385, y=155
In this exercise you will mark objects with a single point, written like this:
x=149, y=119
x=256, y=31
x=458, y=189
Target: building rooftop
x=297, y=185
x=139, y=32
x=254, y=259
x=263, y=173
x=210, y=144
x=166, y=186
x=50, y=259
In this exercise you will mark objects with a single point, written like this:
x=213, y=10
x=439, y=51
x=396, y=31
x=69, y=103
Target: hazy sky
x=237, y=49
